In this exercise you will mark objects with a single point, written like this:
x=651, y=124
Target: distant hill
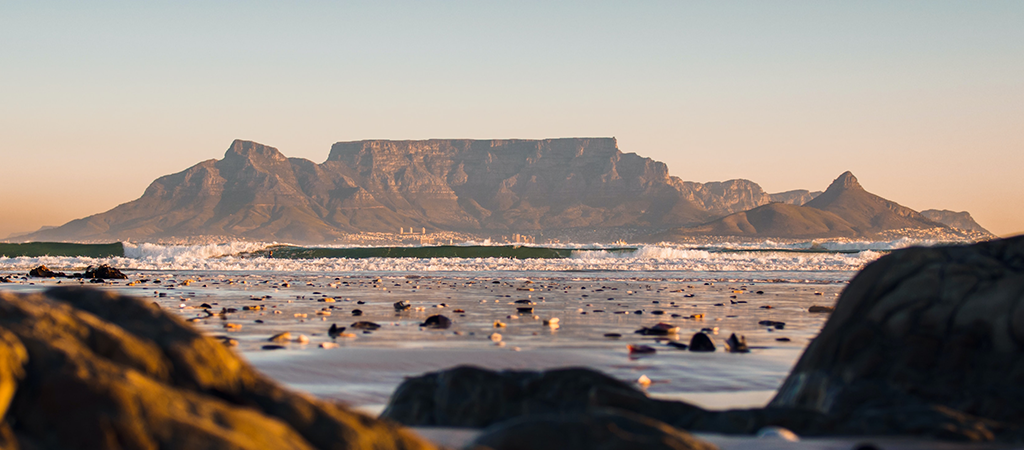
x=441, y=184
x=845, y=209
x=961, y=220
x=798, y=197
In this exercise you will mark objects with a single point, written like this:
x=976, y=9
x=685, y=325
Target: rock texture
x=601, y=429
x=87, y=369
x=925, y=342
x=961, y=220
x=923, y=327
x=845, y=209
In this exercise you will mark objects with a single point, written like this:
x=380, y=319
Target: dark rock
x=524, y=302
x=273, y=347
x=524, y=310
x=659, y=329
x=701, y=342
x=84, y=369
x=677, y=344
x=935, y=331
x=737, y=344
x=437, y=321
x=371, y=326
x=820, y=309
x=599, y=429
x=772, y=323
x=641, y=349
x=45, y=272
x=104, y=272
x=335, y=330
x=357, y=312
x=402, y=306
x=612, y=335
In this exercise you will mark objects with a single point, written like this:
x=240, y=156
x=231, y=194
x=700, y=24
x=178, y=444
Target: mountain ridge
x=459, y=185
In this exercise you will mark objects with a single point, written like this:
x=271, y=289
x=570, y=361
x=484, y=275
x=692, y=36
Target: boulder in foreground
x=86, y=369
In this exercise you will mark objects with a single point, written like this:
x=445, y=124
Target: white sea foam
x=227, y=257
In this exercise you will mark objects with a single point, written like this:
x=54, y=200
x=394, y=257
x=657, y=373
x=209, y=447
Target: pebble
x=437, y=322
x=365, y=326
x=302, y=339
x=612, y=335
x=328, y=345
x=402, y=306
x=495, y=337
x=272, y=347
x=659, y=329
x=643, y=381
x=640, y=349
x=821, y=309
x=281, y=337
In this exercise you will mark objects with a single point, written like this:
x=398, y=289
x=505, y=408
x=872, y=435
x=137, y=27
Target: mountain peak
x=249, y=150
x=845, y=182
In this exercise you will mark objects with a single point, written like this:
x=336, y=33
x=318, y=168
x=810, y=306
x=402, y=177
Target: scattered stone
x=328, y=345
x=437, y=322
x=782, y=339
x=104, y=272
x=335, y=330
x=524, y=310
x=302, y=339
x=272, y=347
x=45, y=272
x=612, y=335
x=701, y=342
x=641, y=349
x=495, y=337
x=736, y=344
x=677, y=344
x=659, y=329
x=357, y=312
x=773, y=324
x=821, y=309
x=402, y=306
x=281, y=337
x=366, y=326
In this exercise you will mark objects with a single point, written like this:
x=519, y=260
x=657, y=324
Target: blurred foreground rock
x=925, y=342
x=87, y=369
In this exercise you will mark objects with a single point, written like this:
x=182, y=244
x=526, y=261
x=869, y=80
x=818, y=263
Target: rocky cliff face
x=442, y=184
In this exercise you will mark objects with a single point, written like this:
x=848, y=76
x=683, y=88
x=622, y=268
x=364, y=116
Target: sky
x=922, y=100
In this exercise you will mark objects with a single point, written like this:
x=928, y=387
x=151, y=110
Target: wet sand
x=363, y=369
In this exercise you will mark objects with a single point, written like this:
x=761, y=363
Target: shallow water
x=366, y=368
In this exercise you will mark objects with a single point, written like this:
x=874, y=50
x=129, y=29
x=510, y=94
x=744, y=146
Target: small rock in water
x=402, y=306
x=524, y=302
x=272, y=347
x=821, y=309
x=643, y=381
x=701, y=342
x=612, y=335
x=371, y=326
x=281, y=337
x=524, y=310
x=357, y=312
x=302, y=339
x=437, y=321
x=641, y=349
x=328, y=345
x=335, y=330
x=772, y=323
x=777, y=433
x=678, y=345
x=659, y=329
x=499, y=324
x=782, y=339
x=737, y=344
x=495, y=337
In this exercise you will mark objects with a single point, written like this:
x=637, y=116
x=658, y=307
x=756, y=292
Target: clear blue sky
x=922, y=100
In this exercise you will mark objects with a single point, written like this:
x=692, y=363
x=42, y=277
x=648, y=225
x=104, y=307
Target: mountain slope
x=961, y=220
x=867, y=212
x=845, y=209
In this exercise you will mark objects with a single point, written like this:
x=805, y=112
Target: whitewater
x=826, y=260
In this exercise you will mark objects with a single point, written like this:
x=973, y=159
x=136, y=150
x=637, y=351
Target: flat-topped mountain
x=470, y=186
x=845, y=209
x=440, y=184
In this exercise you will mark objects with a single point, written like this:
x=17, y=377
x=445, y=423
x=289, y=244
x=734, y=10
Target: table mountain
x=440, y=184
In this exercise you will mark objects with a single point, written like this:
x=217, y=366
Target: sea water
x=244, y=294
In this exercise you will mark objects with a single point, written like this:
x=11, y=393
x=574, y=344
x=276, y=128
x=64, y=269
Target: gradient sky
x=922, y=100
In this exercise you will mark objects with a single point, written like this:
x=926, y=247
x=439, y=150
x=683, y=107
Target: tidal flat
x=498, y=321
